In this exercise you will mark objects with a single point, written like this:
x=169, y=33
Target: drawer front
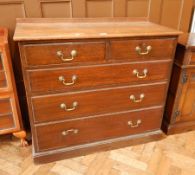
x=142, y=49
x=96, y=76
x=5, y=106
x=3, y=82
x=6, y=122
x=89, y=130
x=59, y=53
x=76, y=105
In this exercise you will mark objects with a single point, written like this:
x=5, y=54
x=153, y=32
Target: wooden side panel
x=187, y=104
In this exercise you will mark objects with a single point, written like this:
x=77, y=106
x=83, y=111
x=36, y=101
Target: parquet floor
x=174, y=155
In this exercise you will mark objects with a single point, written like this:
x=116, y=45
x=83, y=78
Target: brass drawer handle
x=134, y=125
x=62, y=79
x=132, y=97
x=74, y=131
x=144, y=75
x=145, y=52
x=73, y=54
x=74, y=105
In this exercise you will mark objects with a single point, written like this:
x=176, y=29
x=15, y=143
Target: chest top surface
x=51, y=29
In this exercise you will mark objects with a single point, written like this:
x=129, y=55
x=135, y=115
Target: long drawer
x=79, y=78
x=89, y=130
x=142, y=49
x=82, y=104
x=63, y=53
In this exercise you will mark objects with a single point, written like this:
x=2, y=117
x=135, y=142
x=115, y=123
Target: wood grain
x=95, y=129
x=125, y=49
x=5, y=104
x=97, y=76
x=46, y=54
x=50, y=29
x=3, y=82
x=6, y=122
x=47, y=108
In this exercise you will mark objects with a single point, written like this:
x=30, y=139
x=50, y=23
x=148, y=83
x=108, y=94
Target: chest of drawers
x=95, y=84
x=180, y=109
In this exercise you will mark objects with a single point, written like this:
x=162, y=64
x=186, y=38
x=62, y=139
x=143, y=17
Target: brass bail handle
x=134, y=125
x=69, y=131
x=140, y=76
x=63, y=80
x=144, y=50
x=64, y=106
x=132, y=98
x=73, y=54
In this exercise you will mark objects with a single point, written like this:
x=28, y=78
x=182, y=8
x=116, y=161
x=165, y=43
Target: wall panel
x=137, y=8
x=99, y=8
x=155, y=10
x=9, y=12
x=171, y=13
x=56, y=9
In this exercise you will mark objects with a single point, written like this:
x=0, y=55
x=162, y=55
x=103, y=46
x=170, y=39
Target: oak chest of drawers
x=180, y=109
x=93, y=84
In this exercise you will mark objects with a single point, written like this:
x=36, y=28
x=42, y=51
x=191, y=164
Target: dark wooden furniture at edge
x=180, y=109
x=10, y=116
x=92, y=84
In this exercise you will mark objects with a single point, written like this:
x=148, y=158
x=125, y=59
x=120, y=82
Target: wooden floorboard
x=174, y=155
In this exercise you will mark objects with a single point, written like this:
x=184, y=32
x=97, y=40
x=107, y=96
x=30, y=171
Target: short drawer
x=6, y=121
x=3, y=82
x=5, y=106
x=59, y=53
x=88, y=77
x=90, y=130
x=142, y=49
x=83, y=104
